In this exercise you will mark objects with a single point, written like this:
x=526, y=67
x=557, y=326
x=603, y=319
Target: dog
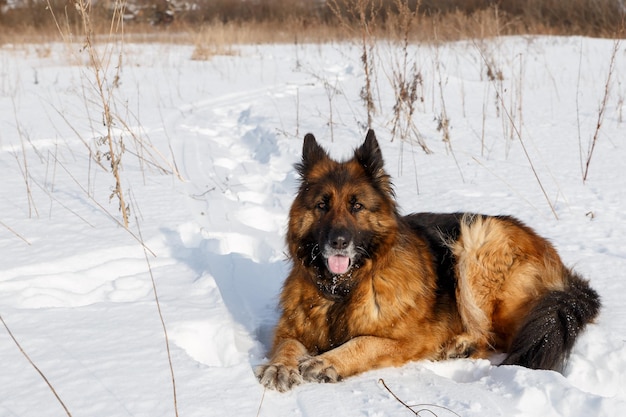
x=370, y=288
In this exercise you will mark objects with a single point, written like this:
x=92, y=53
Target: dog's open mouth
x=338, y=264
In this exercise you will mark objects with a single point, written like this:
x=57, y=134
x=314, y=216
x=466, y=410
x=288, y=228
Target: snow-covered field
x=76, y=288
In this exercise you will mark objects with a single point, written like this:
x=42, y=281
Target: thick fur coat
x=371, y=288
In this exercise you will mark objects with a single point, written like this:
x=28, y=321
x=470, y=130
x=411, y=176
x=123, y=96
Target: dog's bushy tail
x=547, y=335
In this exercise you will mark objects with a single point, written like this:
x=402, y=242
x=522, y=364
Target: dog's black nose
x=339, y=239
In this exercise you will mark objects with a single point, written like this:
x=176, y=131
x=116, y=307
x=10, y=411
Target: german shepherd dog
x=371, y=288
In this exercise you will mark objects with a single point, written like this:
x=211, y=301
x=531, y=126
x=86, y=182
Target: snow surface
x=75, y=287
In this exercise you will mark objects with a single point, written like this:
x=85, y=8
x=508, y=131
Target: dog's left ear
x=370, y=157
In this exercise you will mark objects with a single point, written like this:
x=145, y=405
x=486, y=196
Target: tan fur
x=502, y=267
x=393, y=314
x=389, y=320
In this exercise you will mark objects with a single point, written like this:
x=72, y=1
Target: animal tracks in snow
x=228, y=151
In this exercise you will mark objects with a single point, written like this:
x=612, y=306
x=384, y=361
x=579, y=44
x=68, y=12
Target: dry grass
x=601, y=110
x=287, y=21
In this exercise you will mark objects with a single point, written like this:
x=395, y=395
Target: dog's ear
x=370, y=157
x=312, y=153
x=369, y=154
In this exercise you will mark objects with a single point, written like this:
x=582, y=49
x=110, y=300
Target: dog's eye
x=322, y=205
x=357, y=207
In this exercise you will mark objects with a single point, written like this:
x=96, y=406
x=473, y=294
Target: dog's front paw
x=278, y=376
x=318, y=370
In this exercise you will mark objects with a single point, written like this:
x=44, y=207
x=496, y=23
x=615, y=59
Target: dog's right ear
x=312, y=153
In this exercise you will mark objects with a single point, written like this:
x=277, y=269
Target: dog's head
x=344, y=213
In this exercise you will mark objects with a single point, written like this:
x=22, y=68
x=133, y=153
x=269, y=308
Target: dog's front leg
x=282, y=372
x=357, y=355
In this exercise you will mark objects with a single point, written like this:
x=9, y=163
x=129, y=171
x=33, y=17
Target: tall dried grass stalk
x=164, y=327
x=359, y=19
x=100, y=62
x=518, y=135
x=406, y=79
x=601, y=109
x=30, y=361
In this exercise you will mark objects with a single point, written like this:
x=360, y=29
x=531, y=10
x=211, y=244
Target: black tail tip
x=547, y=336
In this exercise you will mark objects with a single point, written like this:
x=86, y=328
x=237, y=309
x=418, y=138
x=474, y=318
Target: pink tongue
x=338, y=264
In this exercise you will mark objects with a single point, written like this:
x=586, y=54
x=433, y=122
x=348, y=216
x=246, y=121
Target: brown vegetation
x=259, y=21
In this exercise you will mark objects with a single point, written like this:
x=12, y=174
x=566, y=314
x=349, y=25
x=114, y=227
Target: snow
x=76, y=287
